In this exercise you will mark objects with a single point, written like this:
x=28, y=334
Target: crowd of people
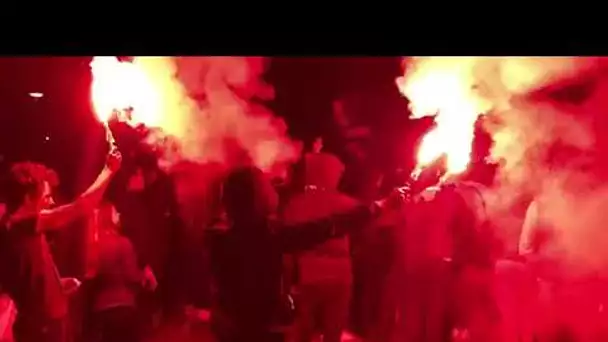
x=294, y=260
x=129, y=269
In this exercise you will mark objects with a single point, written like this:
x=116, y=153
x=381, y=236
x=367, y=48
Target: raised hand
x=114, y=160
x=395, y=200
x=149, y=281
x=70, y=285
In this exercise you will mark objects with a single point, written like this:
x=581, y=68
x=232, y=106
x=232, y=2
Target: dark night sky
x=304, y=90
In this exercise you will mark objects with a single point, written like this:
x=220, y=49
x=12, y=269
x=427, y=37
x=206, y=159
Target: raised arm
x=58, y=217
x=526, y=238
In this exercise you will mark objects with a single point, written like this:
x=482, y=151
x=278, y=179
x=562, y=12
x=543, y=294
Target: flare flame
x=441, y=86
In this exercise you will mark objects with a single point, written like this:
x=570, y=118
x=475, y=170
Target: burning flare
x=125, y=88
x=199, y=109
x=440, y=86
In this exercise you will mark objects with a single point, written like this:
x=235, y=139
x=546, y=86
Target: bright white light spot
x=47, y=138
x=36, y=95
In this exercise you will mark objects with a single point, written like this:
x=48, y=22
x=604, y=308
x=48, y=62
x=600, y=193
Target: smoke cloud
x=215, y=107
x=212, y=116
x=547, y=118
x=543, y=144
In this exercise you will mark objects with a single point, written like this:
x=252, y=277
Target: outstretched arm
x=304, y=236
x=85, y=203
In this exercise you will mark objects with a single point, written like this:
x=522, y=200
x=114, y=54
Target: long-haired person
x=247, y=256
x=117, y=280
x=28, y=273
x=149, y=218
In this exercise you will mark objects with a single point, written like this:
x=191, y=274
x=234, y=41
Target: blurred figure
x=374, y=255
x=247, y=257
x=321, y=169
x=516, y=290
x=28, y=273
x=570, y=301
x=324, y=272
x=535, y=249
x=423, y=271
x=116, y=280
x=150, y=220
x=198, y=192
x=447, y=267
x=7, y=317
x=473, y=261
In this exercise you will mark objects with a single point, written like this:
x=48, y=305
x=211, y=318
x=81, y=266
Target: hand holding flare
x=433, y=174
x=106, y=94
x=109, y=136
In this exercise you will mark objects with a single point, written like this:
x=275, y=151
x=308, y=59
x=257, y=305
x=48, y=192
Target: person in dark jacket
x=445, y=264
x=247, y=255
x=150, y=220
